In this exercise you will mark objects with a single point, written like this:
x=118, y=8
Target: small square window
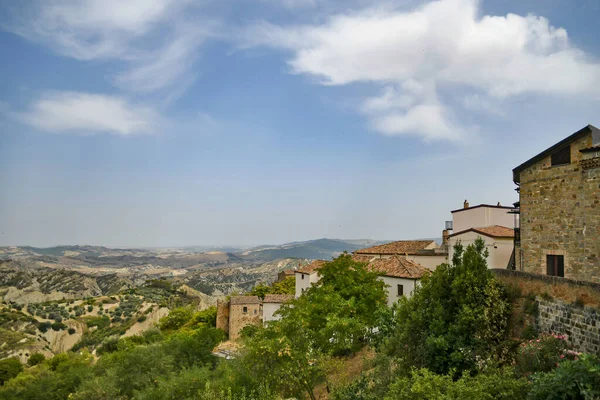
x=400, y=290
x=561, y=157
x=555, y=265
x=245, y=309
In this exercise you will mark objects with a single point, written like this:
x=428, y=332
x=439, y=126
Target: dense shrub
x=543, y=354
x=36, y=359
x=573, y=379
x=425, y=385
x=9, y=368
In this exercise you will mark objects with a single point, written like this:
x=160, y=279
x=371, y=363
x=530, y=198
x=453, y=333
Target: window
x=245, y=309
x=562, y=156
x=400, y=290
x=302, y=276
x=555, y=265
x=255, y=311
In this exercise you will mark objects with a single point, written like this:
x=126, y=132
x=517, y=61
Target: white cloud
x=153, y=38
x=443, y=43
x=84, y=113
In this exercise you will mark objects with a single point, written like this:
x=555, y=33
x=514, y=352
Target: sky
x=246, y=122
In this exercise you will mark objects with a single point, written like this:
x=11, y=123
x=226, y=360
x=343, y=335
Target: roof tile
x=399, y=247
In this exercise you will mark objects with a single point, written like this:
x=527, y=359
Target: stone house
x=559, y=209
x=423, y=252
x=240, y=311
x=492, y=223
x=237, y=313
x=400, y=274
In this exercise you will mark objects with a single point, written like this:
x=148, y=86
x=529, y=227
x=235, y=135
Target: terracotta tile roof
x=245, y=300
x=289, y=272
x=495, y=231
x=278, y=298
x=364, y=258
x=312, y=267
x=399, y=247
x=398, y=267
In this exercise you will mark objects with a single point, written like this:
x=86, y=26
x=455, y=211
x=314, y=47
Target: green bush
x=44, y=326
x=542, y=355
x=36, y=359
x=573, y=379
x=71, y=331
x=9, y=368
x=425, y=385
x=142, y=318
x=58, y=326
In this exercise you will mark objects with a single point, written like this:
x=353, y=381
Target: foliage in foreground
x=456, y=320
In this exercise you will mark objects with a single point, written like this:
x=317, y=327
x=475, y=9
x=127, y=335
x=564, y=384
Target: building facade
x=559, y=206
x=399, y=274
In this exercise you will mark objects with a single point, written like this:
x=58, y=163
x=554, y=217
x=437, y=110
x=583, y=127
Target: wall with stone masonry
x=560, y=215
x=223, y=315
x=581, y=325
x=238, y=319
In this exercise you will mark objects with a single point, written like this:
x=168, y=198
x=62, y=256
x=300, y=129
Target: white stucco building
x=491, y=223
x=271, y=304
x=398, y=273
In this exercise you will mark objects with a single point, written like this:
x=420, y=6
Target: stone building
x=559, y=209
x=235, y=314
x=240, y=311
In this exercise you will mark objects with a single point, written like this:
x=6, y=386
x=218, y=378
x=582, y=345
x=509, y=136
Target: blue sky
x=243, y=122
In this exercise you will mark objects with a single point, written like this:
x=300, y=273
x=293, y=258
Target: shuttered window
x=555, y=265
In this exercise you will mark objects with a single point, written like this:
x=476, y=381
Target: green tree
x=9, y=368
x=176, y=318
x=457, y=319
x=35, y=359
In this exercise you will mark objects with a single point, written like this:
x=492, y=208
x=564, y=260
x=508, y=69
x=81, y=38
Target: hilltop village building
x=493, y=224
x=398, y=273
x=426, y=253
x=559, y=209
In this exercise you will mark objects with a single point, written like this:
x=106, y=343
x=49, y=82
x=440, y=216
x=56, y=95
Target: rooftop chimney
x=445, y=235
x=466, y=204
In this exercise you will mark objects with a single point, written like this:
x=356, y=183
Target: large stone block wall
x=238, y=319
x=581, y=325
x=560, y=215
x=223, y=315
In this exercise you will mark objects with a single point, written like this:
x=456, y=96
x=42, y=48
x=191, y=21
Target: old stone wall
x=223, y=315
x=560, y=215
x=241, y=315
x=580, y=324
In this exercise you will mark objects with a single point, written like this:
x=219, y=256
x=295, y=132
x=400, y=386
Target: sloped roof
x=363, y=258
x=558, y=146
x=494, y=231
x=312, y=267
x=278, y=298
x=245, y=300
x=398, y=267
x=399, y=247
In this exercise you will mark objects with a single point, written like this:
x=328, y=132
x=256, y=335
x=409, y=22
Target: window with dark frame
x=561, y=157
x=400, y=290
x=302, y=276
x=555, y=265
x=245, y=310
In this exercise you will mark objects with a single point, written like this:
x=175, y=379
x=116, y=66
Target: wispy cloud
x=153, y=38
x=444, y=43
x=84, y=113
